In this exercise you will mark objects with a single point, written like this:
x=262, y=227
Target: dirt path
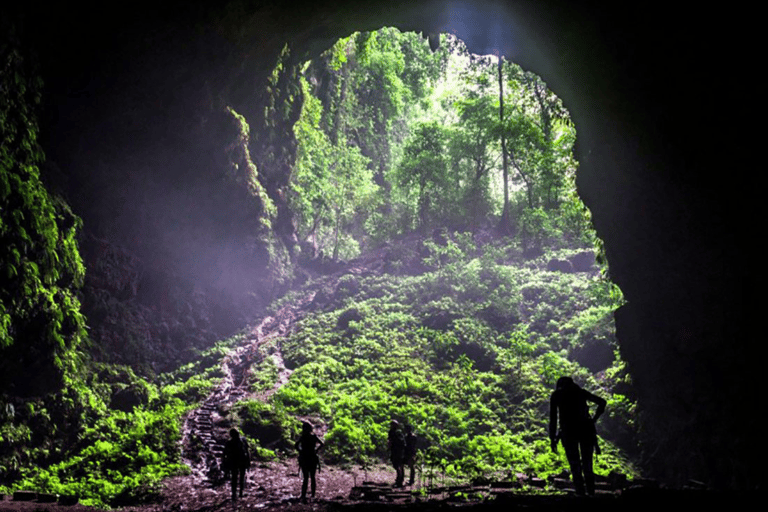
x=267, y=484
x=273, y=484
x=202, y=438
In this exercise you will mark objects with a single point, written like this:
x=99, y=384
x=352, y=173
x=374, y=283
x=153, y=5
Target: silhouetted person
x=236, y=460
x=577, y=430
x=396, y=442
x=410, y=452
x=308, y=445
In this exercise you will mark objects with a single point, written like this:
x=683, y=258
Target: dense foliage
x=128, y=440
x=463, y=343
x=467, y=352
x=461, y=335
x=41, y=326
x=40, y=321
x=395, y=137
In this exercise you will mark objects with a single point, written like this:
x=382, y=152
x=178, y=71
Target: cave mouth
x=509, y=140
x=452, y=113
x=637, y=162
x=667, y=226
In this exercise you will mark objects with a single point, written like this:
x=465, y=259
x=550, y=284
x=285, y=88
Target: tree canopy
x=395, y=137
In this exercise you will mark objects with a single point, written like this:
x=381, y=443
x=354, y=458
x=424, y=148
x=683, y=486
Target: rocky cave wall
x=148, y=89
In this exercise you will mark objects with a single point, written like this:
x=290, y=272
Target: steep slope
x=463, y=342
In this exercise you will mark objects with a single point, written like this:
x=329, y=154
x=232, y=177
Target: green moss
x=42, y=267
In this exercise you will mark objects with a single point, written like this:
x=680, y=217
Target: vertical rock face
x=138, y=119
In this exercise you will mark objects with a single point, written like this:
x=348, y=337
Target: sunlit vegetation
x=462, y=167
x=128, y=440
x=394, y=137
x=467, y=352
x=463, y=336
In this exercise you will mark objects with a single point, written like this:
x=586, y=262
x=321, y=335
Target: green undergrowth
x=467, y=353
x=127, y=439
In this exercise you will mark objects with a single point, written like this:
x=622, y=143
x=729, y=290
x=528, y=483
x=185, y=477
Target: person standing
x=236, y=460
x=396, y=442
x=410, y=452
x=308, y=445
x=577, y=430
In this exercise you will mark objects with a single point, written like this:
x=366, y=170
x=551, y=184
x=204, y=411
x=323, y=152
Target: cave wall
x=651, y=98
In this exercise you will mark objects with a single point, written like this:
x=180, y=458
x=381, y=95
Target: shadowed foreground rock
x=641, y=499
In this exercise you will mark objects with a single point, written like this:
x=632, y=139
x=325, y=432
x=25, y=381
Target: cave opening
x=639, y=186
x=667, y=225
x=352, y=150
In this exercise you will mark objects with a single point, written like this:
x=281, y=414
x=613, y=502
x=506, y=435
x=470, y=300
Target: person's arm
x=553, y=423
x=601, y=403
x=320, y=444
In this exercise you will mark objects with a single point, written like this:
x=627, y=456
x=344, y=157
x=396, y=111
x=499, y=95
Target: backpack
x=236, y=455
x=245, y=455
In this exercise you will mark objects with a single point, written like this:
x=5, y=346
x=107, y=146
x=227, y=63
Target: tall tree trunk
x=539, y=91
x=336, y=230
x=339, y=125
x=504, y=225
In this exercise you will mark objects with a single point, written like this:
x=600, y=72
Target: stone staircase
x=203, y=434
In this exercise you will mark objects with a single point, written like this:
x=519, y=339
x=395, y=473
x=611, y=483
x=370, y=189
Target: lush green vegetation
x=394, y=137
x=467, y=352
x=461, y=338
x=462, y=335
x=128, y=440
x=40, y=321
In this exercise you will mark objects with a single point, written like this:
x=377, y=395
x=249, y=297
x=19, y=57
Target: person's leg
x=397, y=472
x=587, y=447
x=242, y=481
x=412, y=473
x=233, y=478
x=305, y=475
x=312, y=477
x=571, y=448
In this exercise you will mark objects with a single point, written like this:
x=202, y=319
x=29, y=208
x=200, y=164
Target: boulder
x=583, y=261
x=558, y=265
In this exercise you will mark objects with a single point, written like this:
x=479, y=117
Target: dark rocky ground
x=276, y=487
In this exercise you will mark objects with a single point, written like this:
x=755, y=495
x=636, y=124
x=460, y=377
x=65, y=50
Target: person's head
x=408, y=428
x=394, y=425
x=234, y=434
x=306, y=427
x=565, y=383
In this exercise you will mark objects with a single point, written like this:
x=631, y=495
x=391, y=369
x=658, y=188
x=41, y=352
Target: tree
x=331, y=182
x=424, y=168
x=504, y=222
x=360, y=95
x=469, y=129
x=474, y=151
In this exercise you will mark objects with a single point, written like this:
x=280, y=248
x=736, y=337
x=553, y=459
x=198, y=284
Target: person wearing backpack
x=237, y=459
x=308, y=445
